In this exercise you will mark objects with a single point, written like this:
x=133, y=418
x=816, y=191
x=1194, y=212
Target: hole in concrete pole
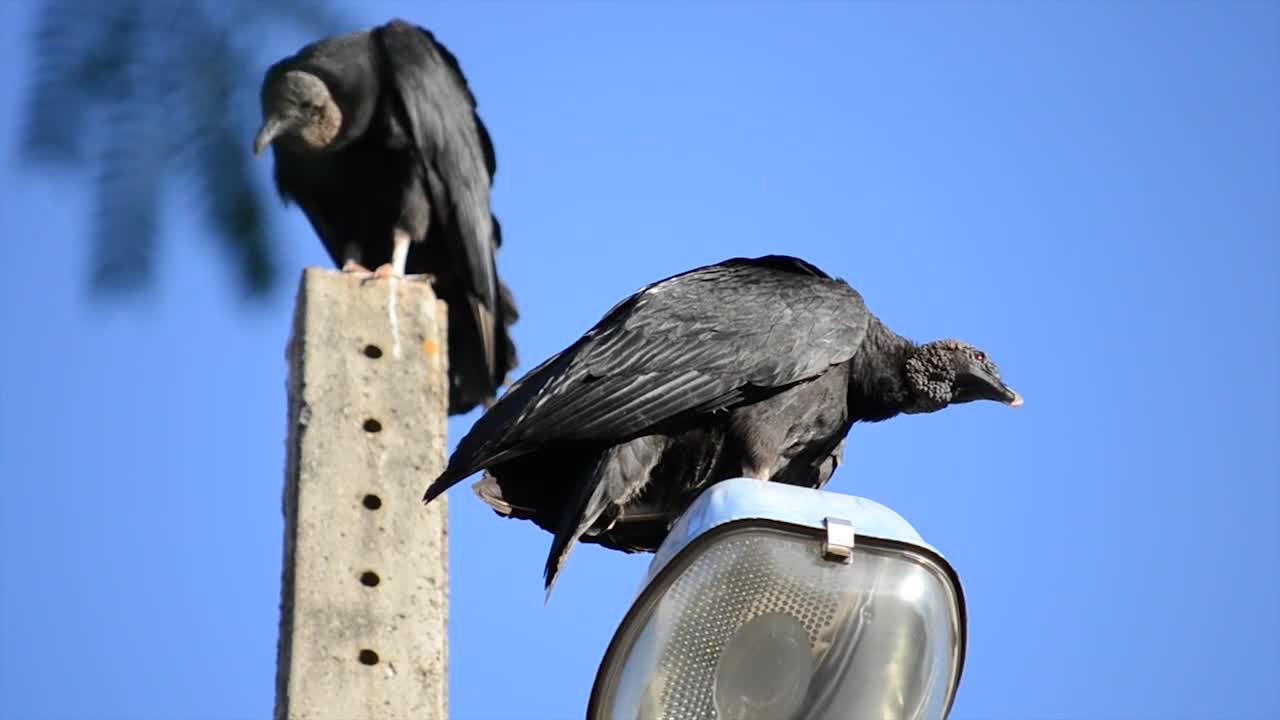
x=369, y=578
x=372, y=426
x=372, y=351
x=373, y=502
x=368, y=657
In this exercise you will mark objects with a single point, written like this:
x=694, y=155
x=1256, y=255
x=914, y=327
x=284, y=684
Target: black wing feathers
x=695, y=342
x=440, y=113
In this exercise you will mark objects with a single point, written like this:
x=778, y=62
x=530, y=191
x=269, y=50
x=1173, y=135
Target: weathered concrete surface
x=364, y=596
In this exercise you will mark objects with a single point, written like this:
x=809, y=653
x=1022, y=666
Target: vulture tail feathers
x=483, y=319
x=619, y=475
x=588, y=504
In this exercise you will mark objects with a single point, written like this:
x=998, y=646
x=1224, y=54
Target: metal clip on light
x=838, y=545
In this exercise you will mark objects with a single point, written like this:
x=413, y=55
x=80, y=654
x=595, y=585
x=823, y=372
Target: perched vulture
x=376, y=137
x=751, y=367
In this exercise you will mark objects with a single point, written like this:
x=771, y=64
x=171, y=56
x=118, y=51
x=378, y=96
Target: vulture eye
x=980, y=356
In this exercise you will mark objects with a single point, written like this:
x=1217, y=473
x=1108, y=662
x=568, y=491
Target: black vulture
x=376, y=138
x=752, y=367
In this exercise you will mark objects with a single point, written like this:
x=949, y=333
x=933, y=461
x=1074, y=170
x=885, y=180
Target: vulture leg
x=762, y=472
x=399, y=256
x=351, y=253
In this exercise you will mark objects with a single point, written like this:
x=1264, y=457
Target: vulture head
x=948, y=372
x=298, y=106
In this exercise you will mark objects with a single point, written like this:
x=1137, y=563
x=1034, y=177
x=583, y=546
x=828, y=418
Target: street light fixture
x=775, y=602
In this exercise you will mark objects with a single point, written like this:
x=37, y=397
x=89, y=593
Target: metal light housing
x=775, y=602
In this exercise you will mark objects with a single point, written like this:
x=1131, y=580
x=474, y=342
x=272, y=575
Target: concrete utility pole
x=364, y=594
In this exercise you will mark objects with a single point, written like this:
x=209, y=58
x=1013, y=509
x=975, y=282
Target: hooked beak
x=987, y=387
x=272, y=127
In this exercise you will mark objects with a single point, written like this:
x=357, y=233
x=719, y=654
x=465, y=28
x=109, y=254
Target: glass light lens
x=753, y=624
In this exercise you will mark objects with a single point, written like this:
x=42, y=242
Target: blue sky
x=1089, y=192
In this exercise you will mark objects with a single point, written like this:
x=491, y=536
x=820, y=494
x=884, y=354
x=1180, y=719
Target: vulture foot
x=386, y=270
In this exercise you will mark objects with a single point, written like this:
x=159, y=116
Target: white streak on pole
x=395, y=317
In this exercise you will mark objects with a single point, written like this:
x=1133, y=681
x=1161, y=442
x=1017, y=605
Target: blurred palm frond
x=147, y=94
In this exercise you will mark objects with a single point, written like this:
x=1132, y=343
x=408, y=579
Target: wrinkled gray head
x=297, y=107
x=947, y=372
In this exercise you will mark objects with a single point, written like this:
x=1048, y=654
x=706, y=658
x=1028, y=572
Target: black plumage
x=376, y=138
x=750, y=367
